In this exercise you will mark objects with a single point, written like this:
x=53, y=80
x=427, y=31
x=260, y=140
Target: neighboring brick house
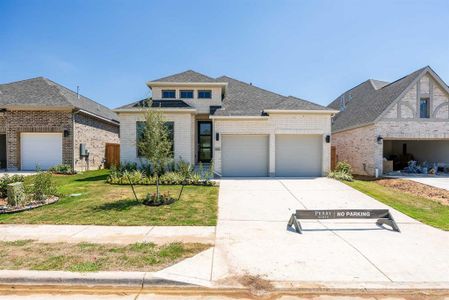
x=43, y=124
x=243, y=129
x=383, y=123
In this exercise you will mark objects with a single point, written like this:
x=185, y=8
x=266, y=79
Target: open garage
x=430, y=155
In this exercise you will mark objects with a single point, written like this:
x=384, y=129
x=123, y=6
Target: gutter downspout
x=75, y=111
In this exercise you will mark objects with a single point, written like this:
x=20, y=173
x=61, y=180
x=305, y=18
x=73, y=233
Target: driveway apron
x=252, y=237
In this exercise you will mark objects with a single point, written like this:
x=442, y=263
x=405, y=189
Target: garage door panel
x=245, y=155
x=40, y=149
x=298, y=155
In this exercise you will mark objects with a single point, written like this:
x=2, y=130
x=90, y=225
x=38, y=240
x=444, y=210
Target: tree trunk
x=157, y=188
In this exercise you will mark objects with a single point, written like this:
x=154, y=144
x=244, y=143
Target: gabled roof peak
x=186, y=76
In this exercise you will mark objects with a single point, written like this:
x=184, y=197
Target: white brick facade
x=184, y=124
x=276, y=124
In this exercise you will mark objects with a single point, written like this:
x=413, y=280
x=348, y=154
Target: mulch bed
x=417, y=189
x=5, y=209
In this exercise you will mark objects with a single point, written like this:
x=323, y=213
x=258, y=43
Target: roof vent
x=78, y=91
x=250, y=83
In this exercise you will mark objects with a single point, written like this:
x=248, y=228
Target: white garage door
x=40, y=149
x=298, y=155
x=244, y=155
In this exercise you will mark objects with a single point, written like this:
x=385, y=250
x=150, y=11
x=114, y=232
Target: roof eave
x=163, y=109
x=151, y=84
x=239, y=117
x=112, y=121
x=302, y=111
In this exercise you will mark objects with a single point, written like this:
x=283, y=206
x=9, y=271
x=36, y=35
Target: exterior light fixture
x=328, y=138
x=380, y=139
x=66, y=133
x=217, y=136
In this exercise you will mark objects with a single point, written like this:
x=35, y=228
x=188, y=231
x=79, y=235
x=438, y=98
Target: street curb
x=125, y=279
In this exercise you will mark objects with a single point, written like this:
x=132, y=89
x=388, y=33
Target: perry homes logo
x=335, y=214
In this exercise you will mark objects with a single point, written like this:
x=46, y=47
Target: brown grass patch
x=88, y=257
x=417, y=189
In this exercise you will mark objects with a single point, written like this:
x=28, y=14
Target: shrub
x=16, y=194
x=5, y=180
x=172, y=178
x=42, y=186
x=184, y=169
x=343, y=167
x=343, y=171
x=62, y=169
x=165, y=198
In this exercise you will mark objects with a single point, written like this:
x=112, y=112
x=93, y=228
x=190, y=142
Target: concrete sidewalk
x=108, y=234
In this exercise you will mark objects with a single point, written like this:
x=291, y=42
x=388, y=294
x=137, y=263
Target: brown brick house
x=43, y=124
x=382, y=126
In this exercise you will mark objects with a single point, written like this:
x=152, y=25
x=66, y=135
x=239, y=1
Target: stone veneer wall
x=94, y=133
x=358, y=147
x=36, y=121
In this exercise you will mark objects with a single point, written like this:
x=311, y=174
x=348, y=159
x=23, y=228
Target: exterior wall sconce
x=380, y=140
x=328, y=139
x=217, y=136
x=66, y=133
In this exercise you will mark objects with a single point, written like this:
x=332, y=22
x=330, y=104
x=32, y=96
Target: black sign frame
x=383, y=216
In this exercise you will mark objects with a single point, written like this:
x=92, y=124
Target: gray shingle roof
x=187, y=76
x=157, y=103
x=244, y=99
x=367, y=101
x=42, y=92
x=241, y=99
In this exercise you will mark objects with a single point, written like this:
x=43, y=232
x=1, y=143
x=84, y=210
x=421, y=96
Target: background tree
x=154, y=143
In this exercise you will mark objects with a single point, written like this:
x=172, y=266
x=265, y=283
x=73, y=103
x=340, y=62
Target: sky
x=314, y=50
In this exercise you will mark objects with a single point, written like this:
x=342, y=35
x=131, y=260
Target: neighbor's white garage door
x=298, y=155
x=40, y=149
x=244, y=155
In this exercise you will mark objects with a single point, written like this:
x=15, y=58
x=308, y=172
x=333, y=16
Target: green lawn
x=87, y=257
x=104, y=204
x=419, y=208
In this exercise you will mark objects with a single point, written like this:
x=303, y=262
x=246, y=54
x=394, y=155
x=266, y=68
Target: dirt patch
x=417, y=189
x=257, y=285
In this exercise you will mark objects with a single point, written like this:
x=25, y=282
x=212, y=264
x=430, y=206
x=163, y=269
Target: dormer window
x=424, y=108
x=204, y=94
x=186, y=94
x=168, y=94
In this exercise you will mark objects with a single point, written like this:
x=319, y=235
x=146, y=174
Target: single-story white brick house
x=382, y=126
x=243, y=129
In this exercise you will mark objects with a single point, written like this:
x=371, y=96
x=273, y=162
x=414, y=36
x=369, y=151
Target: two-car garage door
x=248, y=155
x=42, y=150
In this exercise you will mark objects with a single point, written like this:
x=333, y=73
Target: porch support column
x=272, y=155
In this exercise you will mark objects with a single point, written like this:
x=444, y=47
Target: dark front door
x=204, y=141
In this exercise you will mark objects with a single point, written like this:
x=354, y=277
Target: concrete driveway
x=252, y=237
x=439, y=182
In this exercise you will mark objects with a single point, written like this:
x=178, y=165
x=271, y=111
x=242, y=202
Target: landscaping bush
x=62, y=169
x=5, y=180
x=180, y=173
x=42, y=186
x=16, y=194
x=164, y=199
x=343, y=171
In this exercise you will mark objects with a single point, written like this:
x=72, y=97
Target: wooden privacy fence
x=112, y=155
x=333, y=157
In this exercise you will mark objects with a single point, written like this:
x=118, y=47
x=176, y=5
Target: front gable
x=406, y=107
